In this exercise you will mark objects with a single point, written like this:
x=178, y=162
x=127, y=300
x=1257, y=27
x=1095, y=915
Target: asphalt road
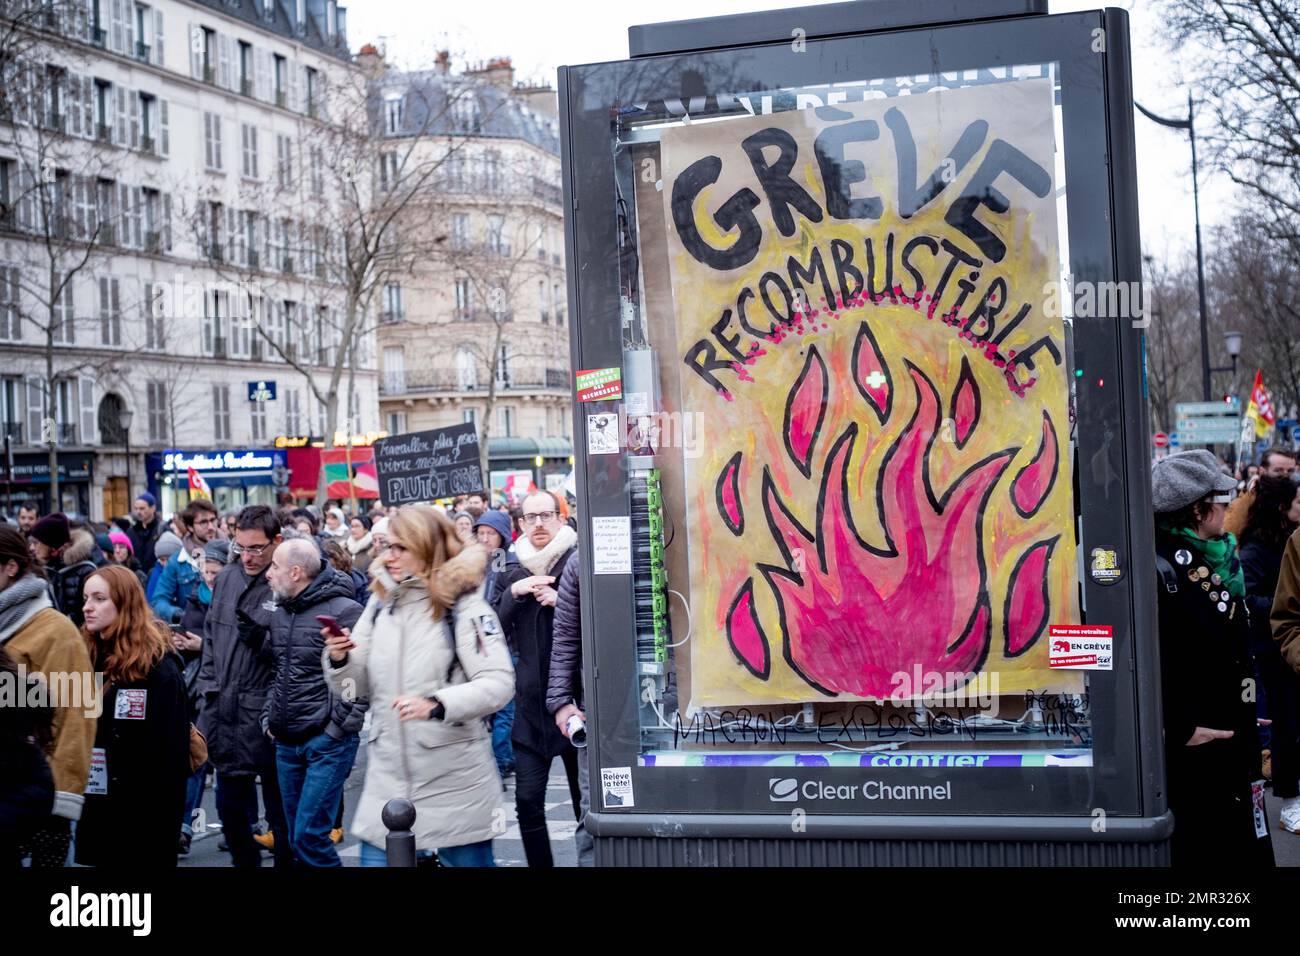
x=508, y=848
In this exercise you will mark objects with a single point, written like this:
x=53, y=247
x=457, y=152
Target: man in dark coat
x=68, y=556
x=145, y=531
x=316, y=732
x=526, y=609
x=234, y=680
x=564, y=686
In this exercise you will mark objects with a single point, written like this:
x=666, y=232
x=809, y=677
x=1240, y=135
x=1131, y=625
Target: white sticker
x=602, y=434
x=611, y=545
x=97, y=782
x=1080, y=647
x=636, y=404
x=616, y=787
x=130, y=704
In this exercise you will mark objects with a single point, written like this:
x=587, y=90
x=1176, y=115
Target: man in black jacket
x=233, y=681
x=67, y=555
x=526, y=608
x=316, y=733
x=564, y=687
x=145, y=532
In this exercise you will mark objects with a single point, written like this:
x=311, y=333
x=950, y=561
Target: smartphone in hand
x=330, y=623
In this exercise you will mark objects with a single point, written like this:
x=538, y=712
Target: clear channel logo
x=790, y=790
x=783, y=789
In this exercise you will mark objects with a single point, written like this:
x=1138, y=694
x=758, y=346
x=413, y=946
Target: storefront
x=237, y=477
x=549, y=460
x=30, y=480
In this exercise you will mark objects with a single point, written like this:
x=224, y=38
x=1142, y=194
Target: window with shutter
x=164, y=129
x=167, y=221
x=135, y=120
x=117, y=36
x=122, y=118
x=35, y=410
x=86, y=386
x=88, y=107
x=223, y=62
x=196, y=51
x=157, y=51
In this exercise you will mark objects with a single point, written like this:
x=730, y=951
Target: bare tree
x=341, y=224
x=493, y=280
x=65, y=203
x=1256, y=281
x=1173, y=364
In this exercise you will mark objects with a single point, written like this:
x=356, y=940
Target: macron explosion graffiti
x=857, y=292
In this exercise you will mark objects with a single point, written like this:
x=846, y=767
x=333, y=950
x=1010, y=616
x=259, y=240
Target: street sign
x=1173, y=439
x=261, y=391
x=1209, y=430
x=1202, y=409
x=1160, y=440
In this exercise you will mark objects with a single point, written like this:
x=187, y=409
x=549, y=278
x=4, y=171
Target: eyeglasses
x=396, y=548
x=236, y=550
x=540, y=517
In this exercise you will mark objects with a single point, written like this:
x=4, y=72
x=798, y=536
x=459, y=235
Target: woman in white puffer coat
x=428, y=742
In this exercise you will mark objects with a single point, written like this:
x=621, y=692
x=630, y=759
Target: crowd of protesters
x=257, y=649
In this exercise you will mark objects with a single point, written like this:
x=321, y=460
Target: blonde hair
x=428, y=534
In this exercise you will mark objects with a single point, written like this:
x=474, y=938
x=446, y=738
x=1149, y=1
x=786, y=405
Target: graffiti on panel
x=885, y=491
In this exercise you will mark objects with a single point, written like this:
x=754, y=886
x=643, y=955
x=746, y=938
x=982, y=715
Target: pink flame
x=746, y=636
x=965, y=411
x=1027, y=598
x=853, y=616
x=870, y=373
x=805, y=410
x=1034, y=482
x=728, y=496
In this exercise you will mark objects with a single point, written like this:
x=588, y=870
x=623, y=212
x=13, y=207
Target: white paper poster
x=611, y=545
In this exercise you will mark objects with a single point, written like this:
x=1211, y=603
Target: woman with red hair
x=141, y=760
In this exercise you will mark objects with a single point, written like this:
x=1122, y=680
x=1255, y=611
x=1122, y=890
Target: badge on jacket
x=488, y=624
x=130, y=704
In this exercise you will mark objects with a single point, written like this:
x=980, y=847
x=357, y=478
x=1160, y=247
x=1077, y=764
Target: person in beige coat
x=429, y=690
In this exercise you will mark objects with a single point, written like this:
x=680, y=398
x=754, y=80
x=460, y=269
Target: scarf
x=1220, y=554
x=541, y=561
x=357, y=545
x=19, y=602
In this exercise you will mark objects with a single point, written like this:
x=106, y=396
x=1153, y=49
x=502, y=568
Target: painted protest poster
x=424, y=466
x=858, y=299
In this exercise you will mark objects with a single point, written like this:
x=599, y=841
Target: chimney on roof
x=371, y=61
x=442, y=62
x=500, y=72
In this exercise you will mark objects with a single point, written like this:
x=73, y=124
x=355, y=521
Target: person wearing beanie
x=165, y=549
x=121, y=551
x=1211, y=740
x=379, y=535
x=493, y=532
x=65, y=554
x=144, y=533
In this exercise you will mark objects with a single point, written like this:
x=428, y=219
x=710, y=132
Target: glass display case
x=863, y=477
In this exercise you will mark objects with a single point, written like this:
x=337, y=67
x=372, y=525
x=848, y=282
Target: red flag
x=198, y=487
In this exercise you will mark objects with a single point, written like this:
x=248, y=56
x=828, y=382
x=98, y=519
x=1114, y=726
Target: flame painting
x=885, y=475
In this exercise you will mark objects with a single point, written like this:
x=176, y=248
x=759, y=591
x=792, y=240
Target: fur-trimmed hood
x=80, y=547
x=457, y=577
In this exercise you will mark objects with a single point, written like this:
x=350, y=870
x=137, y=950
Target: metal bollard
x=399, y=817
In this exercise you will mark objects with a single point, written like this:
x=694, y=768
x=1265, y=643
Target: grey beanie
x=1186, y=477
x=168, y=546
x=217, y=550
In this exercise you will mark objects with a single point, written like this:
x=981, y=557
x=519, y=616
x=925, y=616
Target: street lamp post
x=124, y=418
x=1189, y=125
x=1232, y=344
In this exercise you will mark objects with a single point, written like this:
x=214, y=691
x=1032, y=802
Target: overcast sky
x=543, y=36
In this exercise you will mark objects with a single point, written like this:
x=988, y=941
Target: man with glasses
x=234, y=680
x=526, y=608
x=1276, y=462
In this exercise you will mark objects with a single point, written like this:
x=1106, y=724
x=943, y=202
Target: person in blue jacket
x=185, y=572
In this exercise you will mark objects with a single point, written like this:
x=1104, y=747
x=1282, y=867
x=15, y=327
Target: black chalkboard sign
x=422, y=466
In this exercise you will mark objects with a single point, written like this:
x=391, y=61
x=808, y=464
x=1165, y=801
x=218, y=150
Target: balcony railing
x=215, y=252
x=103, y=132
x=56, y=122
x=13, y=431
x=142, y=51
x=391, y=318
x=279, y=98
x=219, y=348
x=286, y=264
x=147, y=145
x=254, y=260
x=451, y=380
x=67, y=433
x=98, y=36
x=153, y=241
x=246, y=86
x=482, y=315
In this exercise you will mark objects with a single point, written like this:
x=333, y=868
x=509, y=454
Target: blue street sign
x=261, y=391
x=1173, y=439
